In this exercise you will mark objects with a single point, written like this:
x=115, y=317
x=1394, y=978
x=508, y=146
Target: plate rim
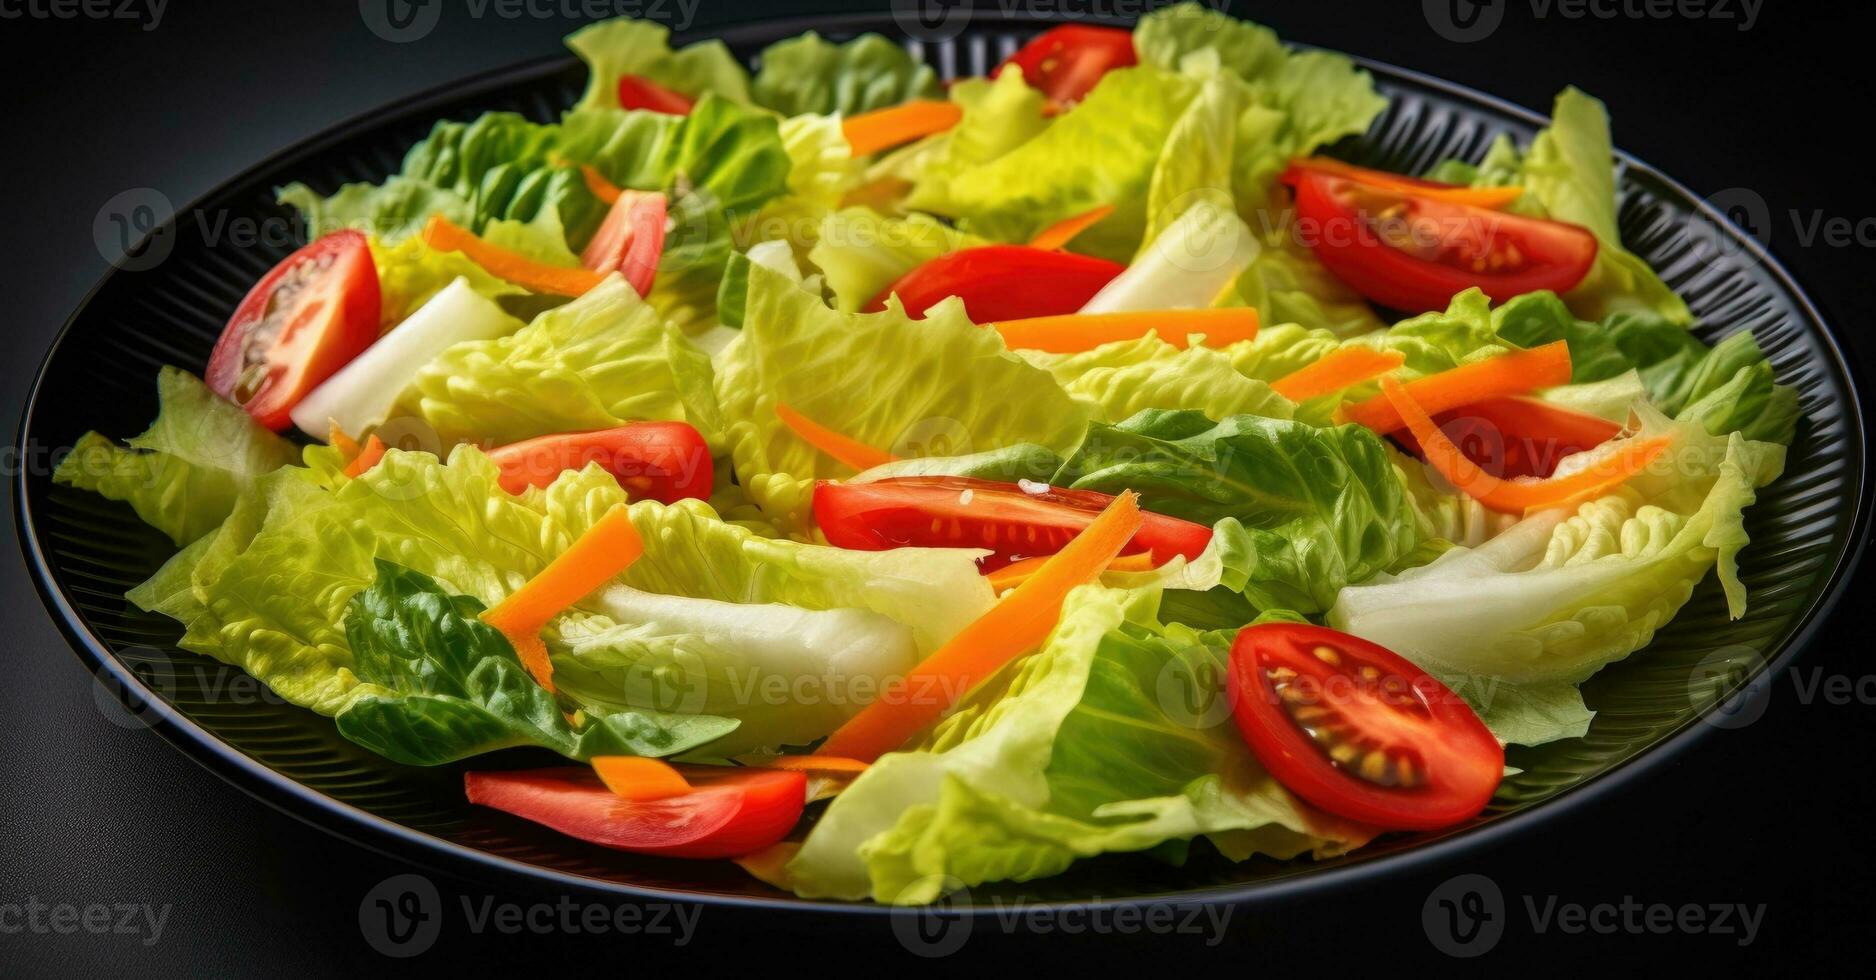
x=384, y=836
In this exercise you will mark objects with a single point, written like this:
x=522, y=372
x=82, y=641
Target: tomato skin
x=898, y=512
x=730, y=811
x=630, y=239
x=331, y=318
x=662, y=461
x=1549, y=254
x=636, y=92
x=1454, y=762
x=1002, y=282
x=1517, y=436
x=1065, y=63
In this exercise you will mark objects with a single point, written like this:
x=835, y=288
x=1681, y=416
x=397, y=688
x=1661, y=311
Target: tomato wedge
x=303, y=321
x=1003, y=282
x=1515, y=436
x=1013, y=520
x=637, y=92
x=1478, y=197
x=1413, y=253
x=1358, y=730
x=1064, y=63
x=728, y=811
x=662, y=461
x=630, y=239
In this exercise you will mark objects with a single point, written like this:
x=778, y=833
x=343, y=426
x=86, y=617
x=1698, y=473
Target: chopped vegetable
x=870, y=132
x=596, y=182
x=632, y=777
x=1506, y=374
x=1017, y=572
x=729, y=811
x=367, y=457
x=445, y=235
x=852, y=452
x=606, y=549
x=1058, y=235
x=1341, y=369
x=1479, y=197
x=1069, y=333
x=1003, y=282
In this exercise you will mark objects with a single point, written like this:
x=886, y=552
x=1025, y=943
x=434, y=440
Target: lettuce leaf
x=808, y=73
x=1126, y=377
x=623, y=46
x=1000, y=114
x=862, y=252
x=411, y=272
x=184, y=473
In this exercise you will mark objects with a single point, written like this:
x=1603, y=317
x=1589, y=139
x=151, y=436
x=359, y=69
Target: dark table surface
x=98, y=816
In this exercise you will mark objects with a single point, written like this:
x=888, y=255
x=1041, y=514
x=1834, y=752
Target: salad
x=893, y=487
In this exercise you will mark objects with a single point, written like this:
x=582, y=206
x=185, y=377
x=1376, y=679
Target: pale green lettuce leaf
x=1000, y=115
x=411, y=272
x=809, y=73
x=861, y=252
x=1125, y=377
x=624, y=46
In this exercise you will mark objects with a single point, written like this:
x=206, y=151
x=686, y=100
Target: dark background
x=96, y=812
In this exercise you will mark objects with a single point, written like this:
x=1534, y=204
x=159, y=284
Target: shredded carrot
x=631, y=777
x=877, y=194
x=1507, y=374
x=1072, y=332
x=852, y=452
x=1058, y=235
x=871, y=132
x=1017, y=572
x=596, y=182
x=367, y=457
x=1515, y=496
x=337, y=439
x=1018, y=623
x=1343, y=368
x=444, y=235
x=817, y=764
x=606, y=549
x=1491, y=198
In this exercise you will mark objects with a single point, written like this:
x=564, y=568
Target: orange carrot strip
x=1058, y=235
x=1344, y=368
x=633, y=778
x=606, y=549
x=852, y=452
x=444, y=235
x=337, y=439
x=880, y=195
x=367, y=457
x=1017, y=572
x=596, y=182
x=817, y=764
x=1479, y=197
x=1522, y=494
x=871, y=132
x=1018, y=623
x=1072, y=332
x=1507, y=374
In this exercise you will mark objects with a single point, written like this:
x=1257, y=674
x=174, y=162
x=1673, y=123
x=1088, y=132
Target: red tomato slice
x=961, y=512
x=1517, y=436
x=303, y=321
x=662, y=461
x=631, y=239
x=730, y=811
x=1414, y=253
x=1359, y=731
x=1064, y=63
x=636, y=92
x=1003, y=282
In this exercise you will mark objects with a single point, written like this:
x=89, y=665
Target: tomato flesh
x=630, y=239
x=1003, y=282
x=1013, y=521
x=662, y=461
x=1065, y=63
x=1517, y=436
x=636, y=92
x=729, y=811
x=1414, y=254
x=302, y=322
x=1358, y=730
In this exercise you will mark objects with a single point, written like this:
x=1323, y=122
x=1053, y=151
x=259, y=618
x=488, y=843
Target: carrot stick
x=1058, y=235
x=1343, y=368
x=852, y=452
x=1522, y=494
x=337, y=439
x=1018, y=623
x=871, y=132
x=444, y=235
x=596, y=182
x=631, y=777
x=367, y=457
x=1017, y=572
x=1072, y=332
x=1507, y=374
x=817, y=764
x=606, y=549
x=1492, y=198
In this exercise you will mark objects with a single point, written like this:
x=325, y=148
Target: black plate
x=86, y=551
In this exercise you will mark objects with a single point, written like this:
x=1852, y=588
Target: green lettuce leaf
x=811, y=74
x=411, y=272
x=1000, y=115
x=624, y=46
x=1126, y=377
x=861, y=252
x=184, y=473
